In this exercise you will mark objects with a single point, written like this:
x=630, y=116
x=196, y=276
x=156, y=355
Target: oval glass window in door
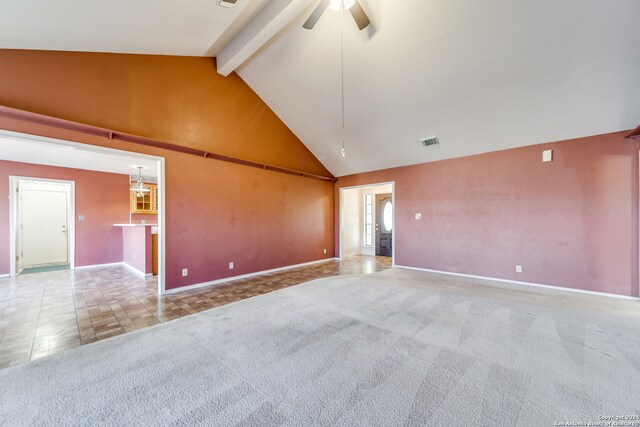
x=387, y=216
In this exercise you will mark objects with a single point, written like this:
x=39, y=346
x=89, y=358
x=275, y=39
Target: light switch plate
x=547, y=155
x=80, y=218
x=230, y=266
x=418, y=216
x=185, y=272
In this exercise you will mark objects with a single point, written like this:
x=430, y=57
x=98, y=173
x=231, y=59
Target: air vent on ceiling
x=227, y=3
x=430, y=141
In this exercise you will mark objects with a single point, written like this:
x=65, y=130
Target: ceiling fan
x=358, y=13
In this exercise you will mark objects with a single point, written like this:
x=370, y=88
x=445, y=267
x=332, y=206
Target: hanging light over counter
x=139, y=186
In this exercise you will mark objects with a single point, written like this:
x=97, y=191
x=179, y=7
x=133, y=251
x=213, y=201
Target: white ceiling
x=69, y=155
x=164, y=27
x=481, y=75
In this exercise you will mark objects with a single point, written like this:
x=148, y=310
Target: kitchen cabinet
x=147, y=203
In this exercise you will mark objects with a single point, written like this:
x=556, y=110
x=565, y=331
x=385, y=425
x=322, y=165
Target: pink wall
x=103, y=198
x=572, y=222
x=136, y=248
x=219, y=212
x=216, y=212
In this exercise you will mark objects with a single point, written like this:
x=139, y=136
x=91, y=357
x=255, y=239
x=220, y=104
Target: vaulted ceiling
x=163, y=27
x=481, y=75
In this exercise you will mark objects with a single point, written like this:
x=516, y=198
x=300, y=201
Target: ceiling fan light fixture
x=336, y=4
x=354, y=7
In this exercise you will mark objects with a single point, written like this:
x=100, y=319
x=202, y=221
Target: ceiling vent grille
x=227, y=3
x=426, y=142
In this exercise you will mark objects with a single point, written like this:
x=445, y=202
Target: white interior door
x=44, y=228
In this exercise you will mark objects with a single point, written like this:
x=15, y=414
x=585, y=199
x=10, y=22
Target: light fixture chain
x=342, y=72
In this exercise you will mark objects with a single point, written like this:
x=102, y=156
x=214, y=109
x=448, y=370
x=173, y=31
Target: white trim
x=136, y=271
x=162, y=228
x=393, y=201
x=110, y=264
x=531, y=287
x=14, y=220
x=245, y=276
x=106, y=150
x=364, y=202
x=4, y=276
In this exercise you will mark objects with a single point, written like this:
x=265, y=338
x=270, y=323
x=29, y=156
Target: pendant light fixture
x=139, y=186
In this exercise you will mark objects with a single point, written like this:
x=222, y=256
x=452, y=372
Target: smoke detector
x=226, y=3
x=430, y=141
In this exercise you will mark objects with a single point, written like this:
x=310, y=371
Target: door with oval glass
x=384, y=224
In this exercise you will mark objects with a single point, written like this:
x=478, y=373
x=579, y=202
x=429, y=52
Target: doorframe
x=393, y=201
x=14, y=219
x=98, y=149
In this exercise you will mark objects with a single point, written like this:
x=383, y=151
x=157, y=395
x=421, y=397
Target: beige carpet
x=394, y=348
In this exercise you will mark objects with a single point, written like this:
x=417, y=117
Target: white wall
x=352, y=237
x=351, y=222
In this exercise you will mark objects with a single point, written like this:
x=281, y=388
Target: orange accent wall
x=217, y=212
x=181, y=100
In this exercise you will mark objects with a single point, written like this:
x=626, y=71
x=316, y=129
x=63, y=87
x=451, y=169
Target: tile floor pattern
x=45, y=313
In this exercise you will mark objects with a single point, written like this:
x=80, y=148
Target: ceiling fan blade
x=316, y=14
x=359, y=15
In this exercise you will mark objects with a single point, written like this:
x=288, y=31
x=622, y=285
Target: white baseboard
x=111, y=264
x=531, y=287
x=243, y=276
x=2, y=276
x=136, y=271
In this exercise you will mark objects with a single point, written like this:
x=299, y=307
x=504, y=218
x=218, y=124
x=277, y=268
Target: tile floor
x=46, y=313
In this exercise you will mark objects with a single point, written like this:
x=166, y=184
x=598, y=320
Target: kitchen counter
x=154, y=227
x=140, y=248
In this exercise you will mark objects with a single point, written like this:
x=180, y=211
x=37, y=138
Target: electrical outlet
x=325, y=251
x=418, y=216
x=185, y=272
x=518, y=269
x=230, y=266
x=80, y=217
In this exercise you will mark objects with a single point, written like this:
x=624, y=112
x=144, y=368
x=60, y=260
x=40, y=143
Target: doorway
x=45, y=224
x=29, y=156
x=384, y=224
x=367, y=220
